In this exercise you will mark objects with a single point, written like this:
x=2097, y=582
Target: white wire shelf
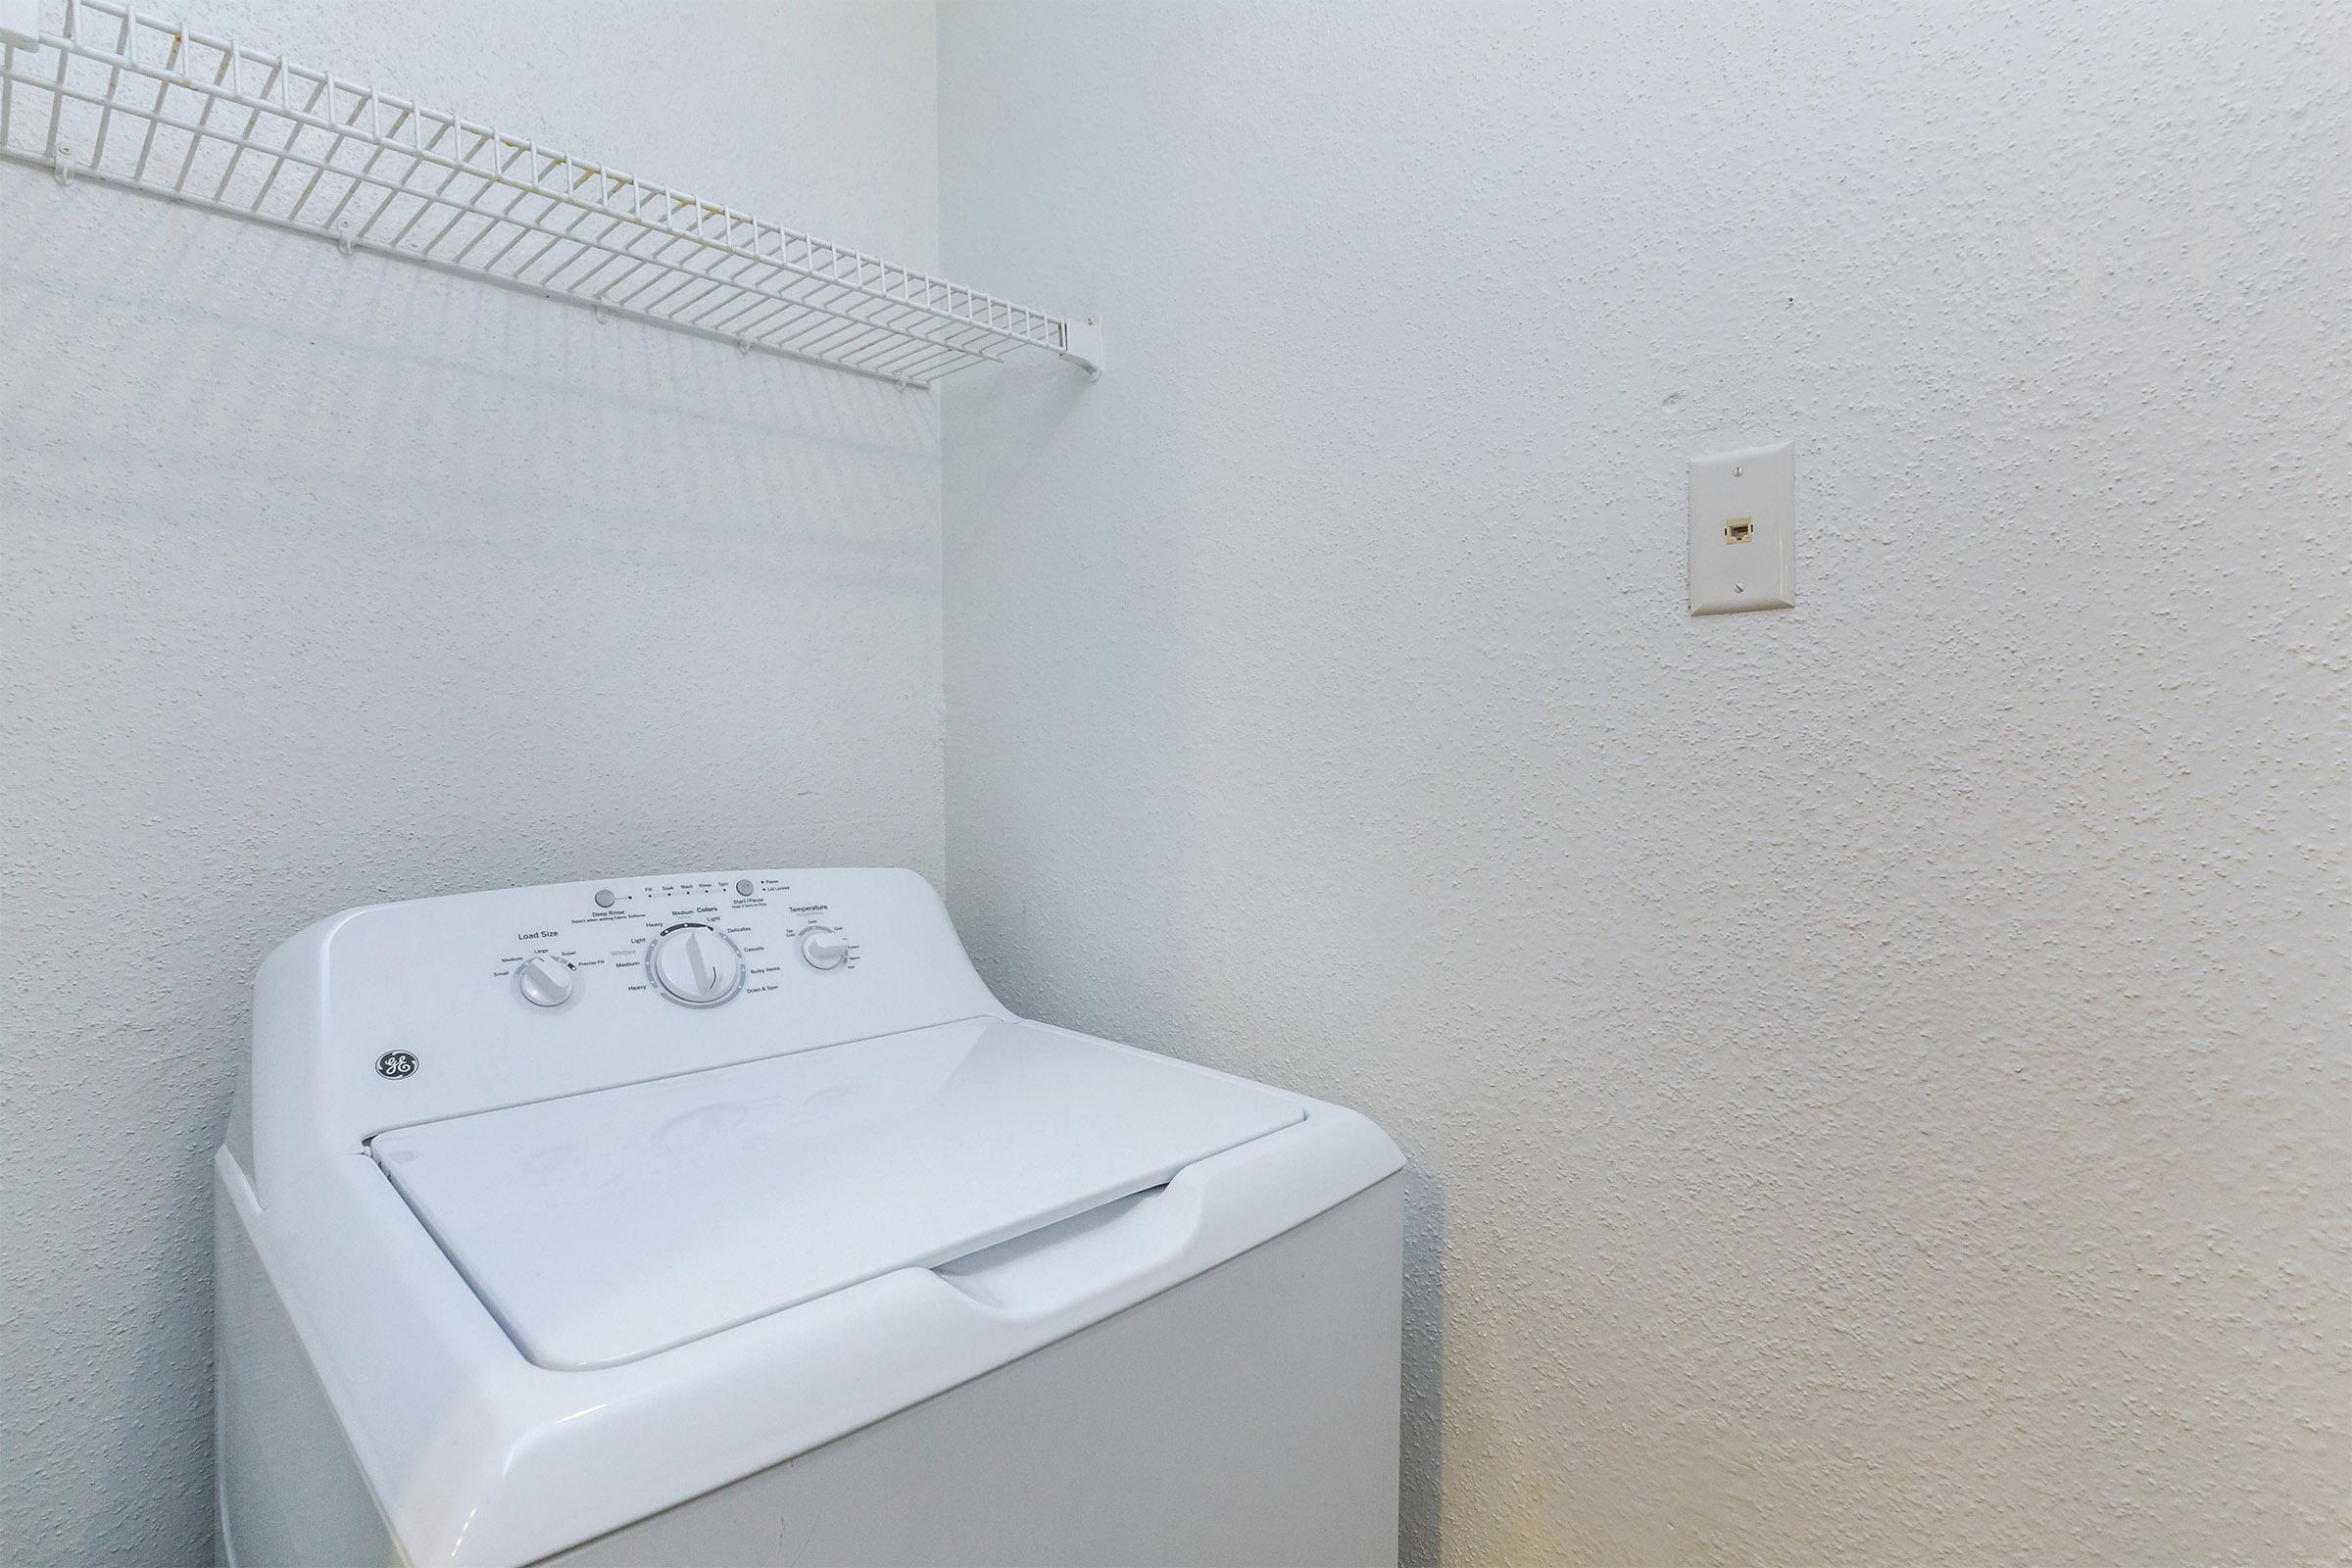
x=130, y=101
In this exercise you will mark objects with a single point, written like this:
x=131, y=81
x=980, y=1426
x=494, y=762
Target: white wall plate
x=1744, y=530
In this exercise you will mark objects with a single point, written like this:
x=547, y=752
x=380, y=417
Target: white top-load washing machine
x=712, y=1219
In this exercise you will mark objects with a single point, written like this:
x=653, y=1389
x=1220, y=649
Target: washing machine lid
x=604, y=1227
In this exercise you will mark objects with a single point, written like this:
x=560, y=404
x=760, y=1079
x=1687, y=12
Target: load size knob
x=824, y=948
x=546, y=981
x=696, y=964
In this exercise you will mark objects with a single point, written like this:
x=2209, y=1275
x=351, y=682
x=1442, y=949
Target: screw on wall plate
x=1739, y=587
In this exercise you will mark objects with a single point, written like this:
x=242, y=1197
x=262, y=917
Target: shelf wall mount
x=129, y=100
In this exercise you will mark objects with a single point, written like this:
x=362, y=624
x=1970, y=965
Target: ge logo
x=395, y=1064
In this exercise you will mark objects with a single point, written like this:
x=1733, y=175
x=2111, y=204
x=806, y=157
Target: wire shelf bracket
x=127, y=100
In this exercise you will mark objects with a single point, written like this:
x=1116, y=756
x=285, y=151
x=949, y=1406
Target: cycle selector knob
x=546, y=981
x=698, y=966
x=823, y=947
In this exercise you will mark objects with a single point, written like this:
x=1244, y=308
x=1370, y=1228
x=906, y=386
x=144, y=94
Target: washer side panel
x=290, y=1488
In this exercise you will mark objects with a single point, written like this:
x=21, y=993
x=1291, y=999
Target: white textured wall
x=324, y=581
x=1877, y=1076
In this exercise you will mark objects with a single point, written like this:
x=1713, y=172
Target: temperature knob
x=824, y=948
x=696, y=964
x=546, y=981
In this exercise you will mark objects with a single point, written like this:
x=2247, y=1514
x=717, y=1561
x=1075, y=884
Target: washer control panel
x=406, y=1013
x=689, y=943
